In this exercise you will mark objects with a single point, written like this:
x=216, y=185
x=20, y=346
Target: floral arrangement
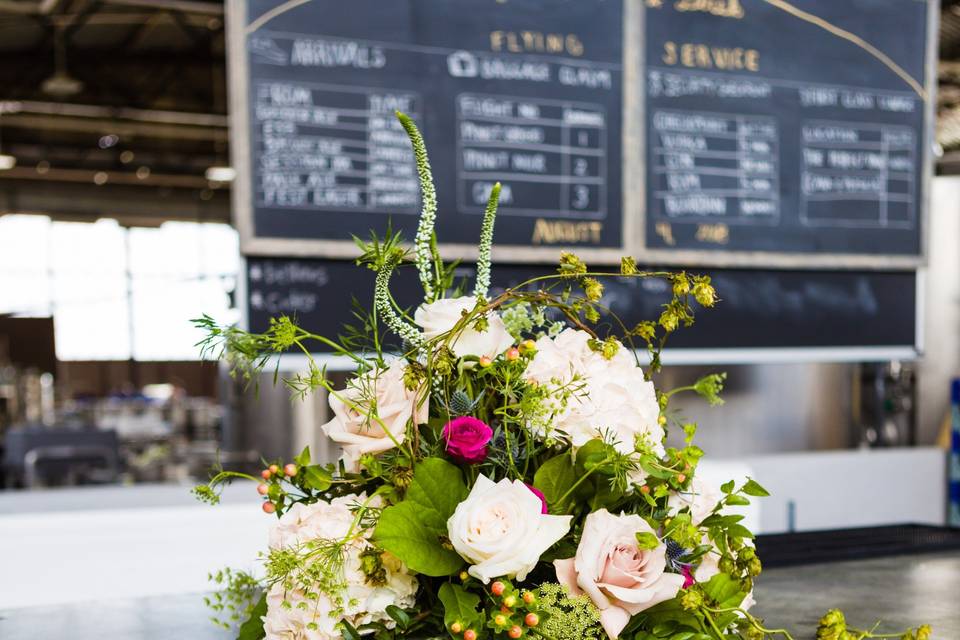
x=506, y=470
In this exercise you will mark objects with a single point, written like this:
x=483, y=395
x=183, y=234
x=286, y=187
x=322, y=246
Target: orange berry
x=681, y=477
x=513, y=353
x=515, y=632
x=469, y=634
x=510, y=601
x=528, y=597
x=505, y=610
x=265, y=474
x=531, y=620
x=290, y=470
x=269, y=507
x=497, y=588
x=500, y=620
x=485, y=361
x=645, y=489
x=456, y=627
x=262, y=489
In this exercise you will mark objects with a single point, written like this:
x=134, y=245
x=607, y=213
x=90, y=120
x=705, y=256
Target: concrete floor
x=901, y=591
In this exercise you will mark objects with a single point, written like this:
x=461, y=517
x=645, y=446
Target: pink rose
x=539, y=494
x=619, y=577
x=467, y=439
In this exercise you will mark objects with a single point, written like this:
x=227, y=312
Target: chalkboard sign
x=783, y=127
x=821, y=315
x=528, y=93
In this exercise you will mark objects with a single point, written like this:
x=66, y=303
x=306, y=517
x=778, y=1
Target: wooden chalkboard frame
x=241, y=155
x=635, y=198
x=633, y=176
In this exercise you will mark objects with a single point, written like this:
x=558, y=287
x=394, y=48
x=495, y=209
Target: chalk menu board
x=526, y=92
x=832, y=314
x=783, y=127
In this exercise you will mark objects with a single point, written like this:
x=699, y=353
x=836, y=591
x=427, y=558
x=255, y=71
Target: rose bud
x=290, y=470
x=467, y=439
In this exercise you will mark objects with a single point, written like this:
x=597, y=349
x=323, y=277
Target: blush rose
x=618, y=576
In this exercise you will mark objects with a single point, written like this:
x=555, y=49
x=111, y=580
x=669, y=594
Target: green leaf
x=252, y=629
x=415, y=530
x=399, y=615
x=592, y=454
x=459, y=605
x=727, y=487
x=437, y=487
x=303, y=459
x=647, y=540
x=739, y=531
x=554, y=479
x=735, y=500
x=753, y=488
x=724, y=590
x=349, y=631
x=317, y=478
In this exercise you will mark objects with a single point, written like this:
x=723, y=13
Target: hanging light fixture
x=61, y=84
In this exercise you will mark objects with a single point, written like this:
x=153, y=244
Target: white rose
x=501, y=530
x=603, y=396
x=618, y=576
x=701, y=498
x=360, y=602
x=371, y=414
x=438, y=318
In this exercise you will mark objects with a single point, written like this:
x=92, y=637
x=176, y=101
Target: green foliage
x=238, y=598
x=556, y=479
x=460, y=607
x=415, y=529
x=252, y=628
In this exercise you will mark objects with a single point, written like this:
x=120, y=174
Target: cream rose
x=361, y=601
x=371, y=414
x=438, y=318
x=603, y=396
x=618, y=576
x=701, y=498
x=501, y=530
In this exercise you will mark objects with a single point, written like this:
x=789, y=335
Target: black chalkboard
x=760, y=309
x=780, y=126
x=527, y=92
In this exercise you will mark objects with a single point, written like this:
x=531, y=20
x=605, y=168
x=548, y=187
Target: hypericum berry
x=510, y=601
x=464, y=575
x=515, y=632
x=513, y=353
x=528, y=597
x=528, y=345
x=265, y=474
x=497, y=588
x=274, y=469
x=681, y=477
x=269, y=507
x=262, y=489
x=531, y=620
x=469, y=634
x=485, y=361
x=456, y=627
x=500, y=620
x=645, y=489
x=290, y=470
